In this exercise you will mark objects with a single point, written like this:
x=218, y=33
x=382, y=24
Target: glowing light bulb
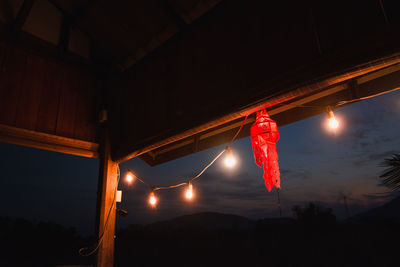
x=152, y=199
x=230, y=160
x=332, y=122
x=189, y=191
x=129, y=177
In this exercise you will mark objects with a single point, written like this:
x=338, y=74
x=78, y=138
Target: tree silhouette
x=314, y=214
x=391, y=176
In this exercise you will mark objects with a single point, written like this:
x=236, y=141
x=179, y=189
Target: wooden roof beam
x=175, y=15
x=22, y=14
x=63, y=39
x=18, y=136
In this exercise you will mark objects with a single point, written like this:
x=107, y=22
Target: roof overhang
x=364, y=80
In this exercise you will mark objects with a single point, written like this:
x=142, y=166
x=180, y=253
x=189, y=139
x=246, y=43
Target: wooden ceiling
x=243, y=56
x=177, y=76
x=123, y=32
x=53, y=57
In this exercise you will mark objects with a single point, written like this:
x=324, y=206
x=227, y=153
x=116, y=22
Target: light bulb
x=152, y=199
x=230, y=160
x=129, y=177
x=189, y=191
x=332, y=122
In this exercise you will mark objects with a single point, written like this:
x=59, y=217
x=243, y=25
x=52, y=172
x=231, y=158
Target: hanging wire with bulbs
x=230, y=160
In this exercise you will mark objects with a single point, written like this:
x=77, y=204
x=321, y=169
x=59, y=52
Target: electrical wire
x=149, y=185
x=240, y=129
x=366, y=97
x=155, y=188
x=211, y=163
x=340, y=103
x=100, y=240
x=168, y=187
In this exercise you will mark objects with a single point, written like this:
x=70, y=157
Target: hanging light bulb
x=129, y=177
x=230, y=160
x=152, y=199
x=332, y=122
x=189, y=191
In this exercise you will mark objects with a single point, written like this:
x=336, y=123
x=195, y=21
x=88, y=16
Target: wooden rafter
x=22, y=14
x=17, y=136
x=64, y=36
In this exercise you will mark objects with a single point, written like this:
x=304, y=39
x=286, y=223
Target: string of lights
x=340, y=103
x=230, y=161
x=130, y=177
x=366, y=97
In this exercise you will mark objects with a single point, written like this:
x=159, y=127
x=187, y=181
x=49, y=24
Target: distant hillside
x=388, y=211
x=206, y=220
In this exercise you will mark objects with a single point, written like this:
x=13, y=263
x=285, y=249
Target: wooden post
x=106, y=204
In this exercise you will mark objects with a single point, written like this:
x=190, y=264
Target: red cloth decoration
x=264, y=135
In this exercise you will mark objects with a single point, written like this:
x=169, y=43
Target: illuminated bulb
x=129, y=177
x=230, y=160
x=332, y=122
x=189, y=191
x=152, y=199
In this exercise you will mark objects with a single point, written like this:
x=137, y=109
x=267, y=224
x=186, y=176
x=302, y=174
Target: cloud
x=366, y=124
x=333, y=172
x=379, y=196
x=373, y=157
x=309, y=150
x=296, y=174
x=383, y=155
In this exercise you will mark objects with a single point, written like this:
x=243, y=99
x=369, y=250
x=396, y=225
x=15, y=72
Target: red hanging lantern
x=264, y=135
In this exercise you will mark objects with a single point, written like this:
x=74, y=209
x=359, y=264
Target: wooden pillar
x=106, y=205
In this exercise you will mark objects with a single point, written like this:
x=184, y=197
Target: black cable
x=100, y=240
x=155, y=188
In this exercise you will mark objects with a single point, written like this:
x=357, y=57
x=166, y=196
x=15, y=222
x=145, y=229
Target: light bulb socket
x=329, y=113
x=190, y=186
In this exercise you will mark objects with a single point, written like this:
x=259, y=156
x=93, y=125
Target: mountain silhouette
x=388, y=211
x=205, y=220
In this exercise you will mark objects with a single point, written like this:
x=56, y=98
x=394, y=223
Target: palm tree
x=391, y=176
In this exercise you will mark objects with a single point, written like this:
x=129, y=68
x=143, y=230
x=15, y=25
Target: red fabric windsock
x=264, y=135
